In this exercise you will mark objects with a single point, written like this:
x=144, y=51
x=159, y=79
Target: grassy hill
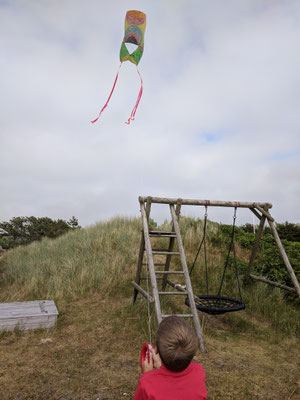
x=93, y=351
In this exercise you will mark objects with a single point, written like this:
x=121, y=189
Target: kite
x=135, y=25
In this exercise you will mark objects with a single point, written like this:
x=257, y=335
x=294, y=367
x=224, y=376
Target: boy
x=175, y=377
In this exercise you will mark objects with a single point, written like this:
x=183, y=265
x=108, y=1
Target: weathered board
x=27, y=315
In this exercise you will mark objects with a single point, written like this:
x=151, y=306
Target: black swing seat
x=215, y=305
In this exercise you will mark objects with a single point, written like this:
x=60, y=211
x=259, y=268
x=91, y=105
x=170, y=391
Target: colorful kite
x=135, y=25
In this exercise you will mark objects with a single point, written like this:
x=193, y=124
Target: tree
x=24, y=230
x=73, y=222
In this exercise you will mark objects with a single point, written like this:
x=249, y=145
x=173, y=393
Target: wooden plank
x=28, y=326
x=162, y=234
x=169, y=272
x=284, y=256
x=28, y=315
x=165, y=252
x=213, y=203
x=26, y=311
x=175, y=293
x=279, y=285
x=143, y=292
x=157, y=264
x=264, y=212
x=29, y=304
x=160, y=249
x=178, y=315
x=27, y=320
x=27, y=308
x=255, y=213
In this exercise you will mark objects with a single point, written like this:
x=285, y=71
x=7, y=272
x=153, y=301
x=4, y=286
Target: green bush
x=268, y=262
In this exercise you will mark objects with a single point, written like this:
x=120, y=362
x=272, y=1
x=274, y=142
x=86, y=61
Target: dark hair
x=176, y=342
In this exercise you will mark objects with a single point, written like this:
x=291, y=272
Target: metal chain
x=202, y=241
x=234, y=258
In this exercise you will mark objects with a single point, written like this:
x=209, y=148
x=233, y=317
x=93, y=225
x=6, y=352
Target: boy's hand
x=147, y=366
x=156, y=358
x=155, y=361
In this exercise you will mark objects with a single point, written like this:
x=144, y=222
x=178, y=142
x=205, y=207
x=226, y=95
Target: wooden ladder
x=164, y=268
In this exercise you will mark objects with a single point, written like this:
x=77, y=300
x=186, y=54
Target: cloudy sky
x=219, y=118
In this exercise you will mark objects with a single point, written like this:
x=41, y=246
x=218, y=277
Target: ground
x=93, y=353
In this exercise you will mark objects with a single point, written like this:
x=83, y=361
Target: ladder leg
x=187, y=280
x=139, y=267
x=151, y=265
x=141, y=253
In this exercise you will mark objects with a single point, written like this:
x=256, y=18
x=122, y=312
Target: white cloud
x=218, y=118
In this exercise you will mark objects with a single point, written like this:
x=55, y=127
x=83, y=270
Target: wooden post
x=255, y=246
x=264, y=212
x=141, y=254
x=151, y=264
x=210, y=203
x=143, y=292
x=255, y=212
x=284, y=256
x=279, y=285
x=187, y=279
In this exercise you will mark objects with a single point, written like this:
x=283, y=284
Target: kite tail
x=105, y=105
x=131, y=118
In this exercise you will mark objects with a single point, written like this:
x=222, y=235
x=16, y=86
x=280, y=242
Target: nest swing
x=218, y=304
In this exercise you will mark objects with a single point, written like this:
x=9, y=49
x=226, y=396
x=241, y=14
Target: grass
x=93, y=350
x=73, y=265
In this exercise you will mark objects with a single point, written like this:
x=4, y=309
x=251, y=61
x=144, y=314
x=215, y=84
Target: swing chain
x=202, y=241
x=234, y=215
x=232, y=247
x=217, y=304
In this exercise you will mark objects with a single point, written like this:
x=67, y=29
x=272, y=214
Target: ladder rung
x=177, y=315
x=156, y=264
x=185, y=292
x=165, y=252
x=148, y=277
x=169, y=272
x=162, y=233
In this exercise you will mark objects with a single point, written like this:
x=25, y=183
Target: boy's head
x=176, y=342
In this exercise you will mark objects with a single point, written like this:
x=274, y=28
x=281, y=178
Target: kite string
x=131, y=118
x=105, y=105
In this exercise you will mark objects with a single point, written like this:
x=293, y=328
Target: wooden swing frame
x=261, y=211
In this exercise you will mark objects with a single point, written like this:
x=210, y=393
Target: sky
x=219, y=117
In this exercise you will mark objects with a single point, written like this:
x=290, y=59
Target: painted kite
x=135, y=25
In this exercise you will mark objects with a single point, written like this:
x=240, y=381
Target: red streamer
x=105, y=105
x=132, y=116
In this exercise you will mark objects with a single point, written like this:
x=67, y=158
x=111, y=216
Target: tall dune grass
x=97, y=258
x=103, y=258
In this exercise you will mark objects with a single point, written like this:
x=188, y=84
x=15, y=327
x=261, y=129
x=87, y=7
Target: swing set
x=151, y=269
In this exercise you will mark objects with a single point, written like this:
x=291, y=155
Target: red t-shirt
x=163, y=384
